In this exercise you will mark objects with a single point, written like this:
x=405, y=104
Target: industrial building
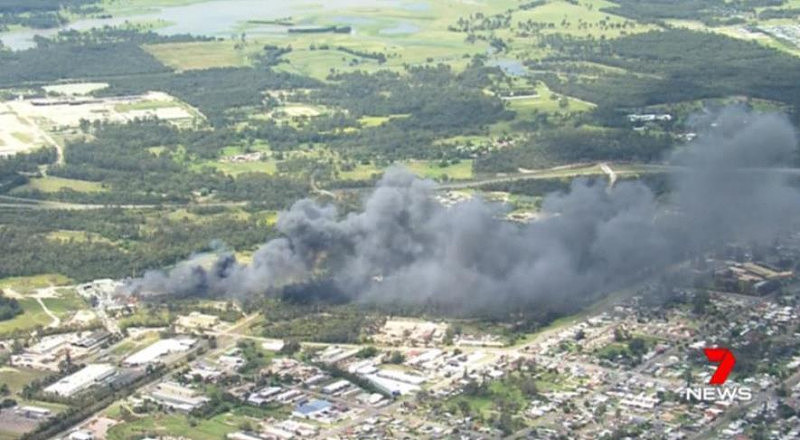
x=311, y=408
x=197, y=321
x=155, y=352
x=93, y=340
x=33, y=412
x=335, y=387
x=177, y=397
x=84, y=379
x=45, y=354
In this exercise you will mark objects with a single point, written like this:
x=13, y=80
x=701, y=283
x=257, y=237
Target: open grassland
x=236, y=168
x=546, y=101
x=65, y=304
x=424, y=168
x=406, y=36
x=64, y=235
x=137, y=7
x=214, y=428
x=434, y=170
x=130, y=345
x=32, y=316
x=25, y=285
x=51, y=184
x=17, y=378
x=202, y=54
x=143, y=105
x=582, y=20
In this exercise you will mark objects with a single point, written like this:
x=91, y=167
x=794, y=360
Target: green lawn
x=215, y=428
x=236, y=168
x=77, y=236
x=66, y=304
x=546, y=101
x=422, y=168
x=32, y=316
x=26, y=138
x=143, y=105
x=17, y=378
x=584, y=19
x=51, y=184
x=28, y=284
x=432, y=169
x=202, y=54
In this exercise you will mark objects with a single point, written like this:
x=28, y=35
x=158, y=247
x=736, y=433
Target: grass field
x=28, y=284
x=51, y=184
x=202, y=54
x=130, y=345
x=236, y=168
x=143, y=105
x=64, y=235
x=17, y=378
x=160, y=425
x=66, y=304
x=546, y=101
x=432, y=170
x=584, y=19
x=33, y=316
x=422, y=168
x=485, y=405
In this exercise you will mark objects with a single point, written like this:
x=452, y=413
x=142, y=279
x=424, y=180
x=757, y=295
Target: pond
x=509, y=66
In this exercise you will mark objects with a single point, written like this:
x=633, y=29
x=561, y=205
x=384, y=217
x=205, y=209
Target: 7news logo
x=719, y=392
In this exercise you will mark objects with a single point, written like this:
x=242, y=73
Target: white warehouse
x=153, y=353
x=85, y=378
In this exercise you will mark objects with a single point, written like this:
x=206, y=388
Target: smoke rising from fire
x=405, y=247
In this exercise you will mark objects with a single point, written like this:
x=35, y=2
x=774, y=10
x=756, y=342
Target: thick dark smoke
x=405, y=247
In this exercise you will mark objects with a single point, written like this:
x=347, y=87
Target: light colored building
x=197, y=320
x=33, y=412
x=178, y=397
x=335, y=387
x=311, y=409
x=85, y=378
x=155, y=352
x=47, y=353
x=81, y=435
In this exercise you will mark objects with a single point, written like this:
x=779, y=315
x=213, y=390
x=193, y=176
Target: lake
x=216, y=18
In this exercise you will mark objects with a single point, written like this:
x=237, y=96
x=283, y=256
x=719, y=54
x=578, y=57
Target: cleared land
x=51, y=184
x=202, y=54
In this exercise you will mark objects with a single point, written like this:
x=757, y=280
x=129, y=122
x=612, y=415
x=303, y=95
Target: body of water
x=400, y=29
x=509, y=66
x=217, y=18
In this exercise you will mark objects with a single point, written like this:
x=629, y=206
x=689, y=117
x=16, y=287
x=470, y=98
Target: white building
x=87, y=377
x=197, y=320
x=335, y=387
x=153, y=353
x=178, y=397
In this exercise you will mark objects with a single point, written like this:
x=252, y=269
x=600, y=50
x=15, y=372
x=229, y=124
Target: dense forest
x=128, y=242
x=568, y=145
x=58, y=61
x=215, y=92
x=707, y=11
x=15, y=169
x=662, y=70
x=122, y=157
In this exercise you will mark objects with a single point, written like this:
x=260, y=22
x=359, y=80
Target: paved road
x=25, y=203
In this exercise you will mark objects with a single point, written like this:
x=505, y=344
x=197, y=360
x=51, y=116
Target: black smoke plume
x=404, y=247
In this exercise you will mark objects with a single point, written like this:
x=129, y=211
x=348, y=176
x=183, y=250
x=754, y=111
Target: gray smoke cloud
x=405, y=247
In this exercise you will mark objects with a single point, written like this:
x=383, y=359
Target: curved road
x=613, y=172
